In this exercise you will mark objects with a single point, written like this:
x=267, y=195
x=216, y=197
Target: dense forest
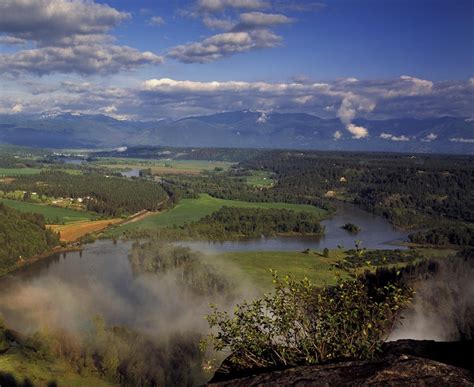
x=107, y=195
x=461, y=235
x=22, y=236
x=408, y=190
x=255, y=222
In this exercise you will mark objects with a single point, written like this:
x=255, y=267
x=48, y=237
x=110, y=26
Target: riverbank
x=23, y=263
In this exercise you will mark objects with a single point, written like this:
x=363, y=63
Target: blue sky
x=147, y=59
x=366, y=39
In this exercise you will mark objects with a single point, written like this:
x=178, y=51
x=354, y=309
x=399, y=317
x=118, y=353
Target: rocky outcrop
x=402, y=363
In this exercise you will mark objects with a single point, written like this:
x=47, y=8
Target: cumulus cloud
x=156, y=21
x=223, y=45
x=12, y=40
x=220, y=5
x=337, y=135
x=350, y=105
x=391, y=137
x=241, y=31
x=217, y=23
x=46, y=21
x=255, y=20
x=68, y=36
x=357, y=132
x=81, y=59
x=163, y=97
x=430, y=137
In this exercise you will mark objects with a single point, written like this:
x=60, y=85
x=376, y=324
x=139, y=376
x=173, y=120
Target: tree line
x=107, y=195
x=22, y=236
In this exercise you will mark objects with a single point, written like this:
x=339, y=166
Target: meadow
x=255, y=266
x=191, y=210
x=51, y=214
x=164, y=167
x=260, y=179
x=13, y=172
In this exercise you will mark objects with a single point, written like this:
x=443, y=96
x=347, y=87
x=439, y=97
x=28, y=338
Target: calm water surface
x=376, y=233
x=99, y=279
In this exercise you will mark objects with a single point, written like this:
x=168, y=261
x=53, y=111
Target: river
x=376, y=233
x=100, y=276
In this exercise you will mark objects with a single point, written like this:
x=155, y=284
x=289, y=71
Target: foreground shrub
x=301, y=324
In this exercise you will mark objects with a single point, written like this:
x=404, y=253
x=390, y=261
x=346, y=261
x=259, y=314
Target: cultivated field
x=191, y=210
x=12, y=172
x=164, y=167
x=50, y=213
x=73, y=231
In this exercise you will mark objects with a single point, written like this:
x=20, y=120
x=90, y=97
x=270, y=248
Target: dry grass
x=73, y=231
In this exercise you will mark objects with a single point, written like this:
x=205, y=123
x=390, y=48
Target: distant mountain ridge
x=246, y=129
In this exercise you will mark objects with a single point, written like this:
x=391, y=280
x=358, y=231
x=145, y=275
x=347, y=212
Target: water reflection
x=376, y=233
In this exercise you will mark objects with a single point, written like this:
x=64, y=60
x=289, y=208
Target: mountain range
x=244, y=129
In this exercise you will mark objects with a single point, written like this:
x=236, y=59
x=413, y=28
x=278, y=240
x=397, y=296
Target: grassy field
x=73, y=231
x=51, y=214
x=260, y=179
x=26, y=364
x=164, y=167
x=12, y=172
x=256, y=265
x=191, y=210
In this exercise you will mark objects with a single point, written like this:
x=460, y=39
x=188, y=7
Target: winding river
x=66, y=289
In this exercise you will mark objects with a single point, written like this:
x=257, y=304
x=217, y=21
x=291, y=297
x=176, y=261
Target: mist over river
x=65, y=290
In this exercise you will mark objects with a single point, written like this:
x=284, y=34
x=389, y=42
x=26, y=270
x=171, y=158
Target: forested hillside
x=111, y=196
x=408, y=190
x=22, y=236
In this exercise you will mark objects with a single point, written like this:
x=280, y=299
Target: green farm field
x=12, y=172
x=50, y=213
x=256, y=265
x=191, y=210
x=166, y=167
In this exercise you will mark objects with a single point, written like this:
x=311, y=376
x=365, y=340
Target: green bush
x=300, y=324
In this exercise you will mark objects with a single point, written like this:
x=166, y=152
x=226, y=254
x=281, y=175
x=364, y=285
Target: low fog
x=443, y=305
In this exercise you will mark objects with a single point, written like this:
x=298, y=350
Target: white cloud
x=109, y=109
x=216, y=23
x=262, y=118
x=222, y=45
x=66, y=36
x=430, y=137
x=337, y=135
x=303, y=99
x=357, y=132
x=163, y=97
x=45, y=21
x=156, y=21
x=463, y=140
x=220, y=5
x=253, y=20
x=391, y=137
x=350, y=105
x=18, y=108
x=81, y=59
x=12, y=41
